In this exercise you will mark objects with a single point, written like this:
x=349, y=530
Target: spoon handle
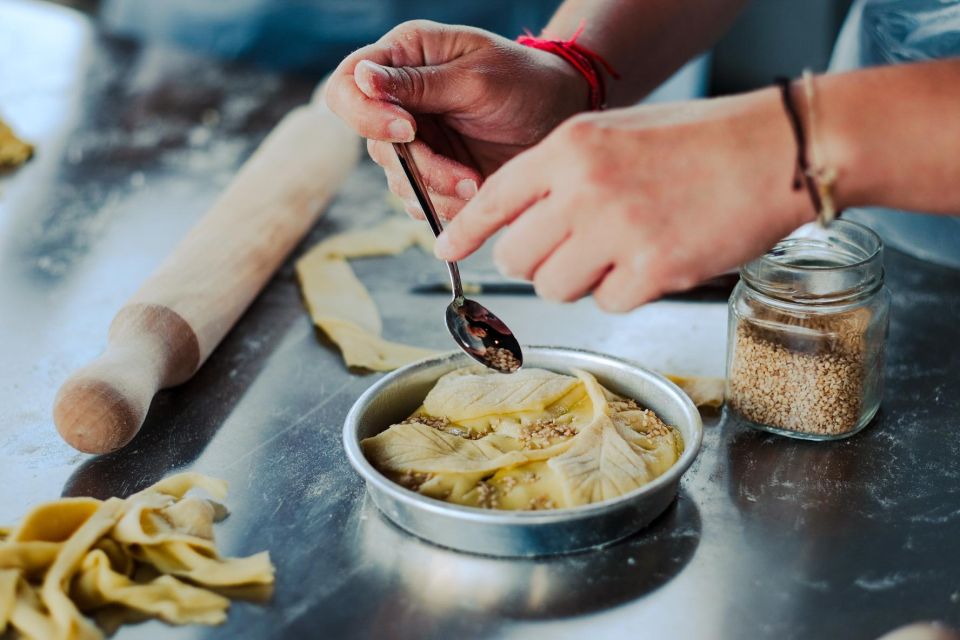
x=420, y=190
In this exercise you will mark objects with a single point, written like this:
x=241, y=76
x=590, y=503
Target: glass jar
x=807, y=334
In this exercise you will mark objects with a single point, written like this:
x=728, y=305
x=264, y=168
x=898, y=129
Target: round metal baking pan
x=521, y=533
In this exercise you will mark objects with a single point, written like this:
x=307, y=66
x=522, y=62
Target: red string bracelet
x=588, y=63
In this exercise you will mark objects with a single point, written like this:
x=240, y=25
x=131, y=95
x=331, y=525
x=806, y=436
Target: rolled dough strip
x=341, y=306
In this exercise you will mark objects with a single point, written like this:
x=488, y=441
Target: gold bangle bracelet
x=823, y=175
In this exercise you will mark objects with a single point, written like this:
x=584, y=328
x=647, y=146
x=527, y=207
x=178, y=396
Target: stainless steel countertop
x=769, y=538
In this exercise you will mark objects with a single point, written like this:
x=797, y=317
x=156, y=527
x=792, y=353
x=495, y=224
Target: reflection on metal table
x=769, y=538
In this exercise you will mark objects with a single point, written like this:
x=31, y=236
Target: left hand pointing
x=635, y=203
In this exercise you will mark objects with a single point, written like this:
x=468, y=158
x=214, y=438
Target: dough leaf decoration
x=472, y=393
x=531, y=440
x=608, y=458
x=420, y=448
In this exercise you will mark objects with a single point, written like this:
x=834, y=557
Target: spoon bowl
x=477, y=330
x=483, y=336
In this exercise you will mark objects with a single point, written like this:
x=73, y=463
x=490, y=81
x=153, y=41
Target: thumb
x=430, y=89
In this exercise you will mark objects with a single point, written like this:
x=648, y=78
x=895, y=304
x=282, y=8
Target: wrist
x=835, y=138
x=569, y=90
x=776, y=151
x=585, y=61
x=839, y=136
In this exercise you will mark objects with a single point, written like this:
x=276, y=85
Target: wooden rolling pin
x=165, y=332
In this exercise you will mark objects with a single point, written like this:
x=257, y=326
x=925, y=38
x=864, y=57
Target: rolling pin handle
x=182, y=312
x=101, y=407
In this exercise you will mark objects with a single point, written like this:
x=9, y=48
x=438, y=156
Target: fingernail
x=466, y=189
x=363, y=80
x=400, y=130
x=442, y=247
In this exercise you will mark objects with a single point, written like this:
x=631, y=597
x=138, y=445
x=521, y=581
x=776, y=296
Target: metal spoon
x=481, y=334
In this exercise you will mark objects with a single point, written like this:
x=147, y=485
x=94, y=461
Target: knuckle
x=605, y=301
x=412, y=27
x=578, y=128
x=681, y=279
x=570, y=295
x=403, y=31
x=471, y=226
x=656, y=273
x=612, y=297
x=508, y=262
x=411, y=81
x=550, y=284
x=405, y=35
x=374, y=151
x=446, y=209
x=546, y=289
x=436, y=177
x=397, y=185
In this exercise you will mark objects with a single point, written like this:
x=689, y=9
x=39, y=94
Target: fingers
x=428, y=89
x=449, y=183
x=443, y=175
x=506, y=194
x=630, y=284
x=572, y=270
x=412, y=69
x=446, y=208
x=531, y=238
x=370, y=117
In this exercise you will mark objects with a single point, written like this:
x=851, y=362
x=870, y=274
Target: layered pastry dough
x=151, y=555
x=533, y=440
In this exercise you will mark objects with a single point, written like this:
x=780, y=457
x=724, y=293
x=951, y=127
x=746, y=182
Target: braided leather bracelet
x=818, y=179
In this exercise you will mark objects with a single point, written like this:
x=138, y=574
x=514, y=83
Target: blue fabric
x=881, y=32
x=304, y=35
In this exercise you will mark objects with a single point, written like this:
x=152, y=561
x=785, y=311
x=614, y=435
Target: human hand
x=635, y=203
x=472, y=99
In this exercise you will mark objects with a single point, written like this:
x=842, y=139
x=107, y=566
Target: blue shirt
x=879, y=32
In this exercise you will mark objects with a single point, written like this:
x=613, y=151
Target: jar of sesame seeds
x=807, y=334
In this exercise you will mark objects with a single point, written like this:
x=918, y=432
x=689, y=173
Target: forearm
x=893, y=135
x=644, y=40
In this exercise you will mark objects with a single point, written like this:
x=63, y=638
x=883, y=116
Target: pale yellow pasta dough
x=13, y=150
x=340, y=305
x=704, y=391
x=532, y=440
x=151, y=555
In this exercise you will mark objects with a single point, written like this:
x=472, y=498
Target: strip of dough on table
x=341, y=306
